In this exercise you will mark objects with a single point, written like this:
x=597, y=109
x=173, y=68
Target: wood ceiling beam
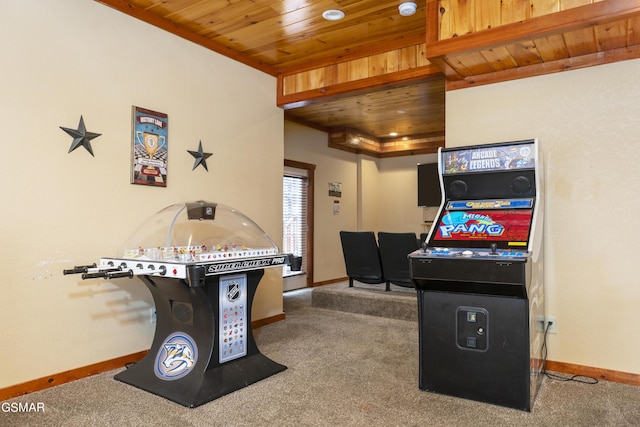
x=543, y=26
x=357, y=142
x=391, y=80
x=598, y=58
x=356, y=54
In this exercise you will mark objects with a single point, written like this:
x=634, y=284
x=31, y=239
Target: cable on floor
x=584, y=379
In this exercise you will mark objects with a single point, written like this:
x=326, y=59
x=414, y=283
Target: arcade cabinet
x=202, y=263
x=479, y=277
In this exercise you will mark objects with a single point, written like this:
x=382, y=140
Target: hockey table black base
x=194, y=311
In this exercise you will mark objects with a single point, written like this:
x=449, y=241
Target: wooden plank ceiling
x=468, y=43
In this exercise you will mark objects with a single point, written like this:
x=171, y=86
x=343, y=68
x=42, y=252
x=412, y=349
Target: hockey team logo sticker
x=233, y=291
x=176, y=357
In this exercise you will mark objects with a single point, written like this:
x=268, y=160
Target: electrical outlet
x=552, y=324
x=152, y=315
x=542, y=323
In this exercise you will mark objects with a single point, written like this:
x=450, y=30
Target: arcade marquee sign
x=489, y=159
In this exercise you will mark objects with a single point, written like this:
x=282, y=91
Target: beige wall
x=63, y=59
x=588, y=124
x=398, y=195
x=368, y=215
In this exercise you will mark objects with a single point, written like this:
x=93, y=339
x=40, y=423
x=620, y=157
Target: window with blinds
x=294, y=216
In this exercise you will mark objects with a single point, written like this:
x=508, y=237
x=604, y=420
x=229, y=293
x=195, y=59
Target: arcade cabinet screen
x=479, y=228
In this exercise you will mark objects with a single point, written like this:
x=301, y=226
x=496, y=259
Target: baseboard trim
x=96, y=368
x=598, y=373
x=68, y=376
x=330, y=282
x=267, y=320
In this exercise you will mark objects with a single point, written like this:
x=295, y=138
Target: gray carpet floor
x=344, y=369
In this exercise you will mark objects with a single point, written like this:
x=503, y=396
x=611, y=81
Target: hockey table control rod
x=112, y=272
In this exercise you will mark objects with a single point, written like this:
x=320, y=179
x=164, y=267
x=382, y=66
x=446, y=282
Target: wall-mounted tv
x=428, y=185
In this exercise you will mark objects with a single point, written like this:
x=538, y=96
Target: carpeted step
x=399, y=303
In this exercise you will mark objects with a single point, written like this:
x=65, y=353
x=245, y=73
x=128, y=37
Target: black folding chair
x=394, y=248
x=362, y=257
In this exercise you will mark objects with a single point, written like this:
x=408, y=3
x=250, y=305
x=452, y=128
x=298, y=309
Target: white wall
x=66, y=58
x=588, y=124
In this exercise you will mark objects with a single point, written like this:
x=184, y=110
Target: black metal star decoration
x=81, y=137
x=201, y=158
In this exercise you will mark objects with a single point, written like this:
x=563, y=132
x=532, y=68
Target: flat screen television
x=479, y=228
x=429, y=193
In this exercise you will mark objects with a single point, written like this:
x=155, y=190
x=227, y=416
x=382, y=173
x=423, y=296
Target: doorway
x=297, y=223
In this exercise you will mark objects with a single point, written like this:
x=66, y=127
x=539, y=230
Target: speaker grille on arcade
x=458, y=188
x=520, y=184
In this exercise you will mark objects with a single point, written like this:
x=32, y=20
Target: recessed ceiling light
x=333, y=15
x=407, y=8
x=400, y=111
x=393, y=134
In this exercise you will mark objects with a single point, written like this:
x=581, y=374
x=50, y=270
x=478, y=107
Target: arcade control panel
x=476, y=270
x=482, y=253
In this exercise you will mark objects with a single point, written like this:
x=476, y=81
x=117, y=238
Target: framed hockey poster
x=149, y=147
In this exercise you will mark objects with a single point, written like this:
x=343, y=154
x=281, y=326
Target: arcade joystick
x=493, y=248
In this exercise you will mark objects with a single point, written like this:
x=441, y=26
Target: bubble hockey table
x=203, y=347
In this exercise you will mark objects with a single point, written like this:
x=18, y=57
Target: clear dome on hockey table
x=196, y=233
